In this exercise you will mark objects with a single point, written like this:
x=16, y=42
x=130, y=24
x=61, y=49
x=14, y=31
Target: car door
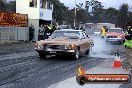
x=86, y=42
x=82, y=43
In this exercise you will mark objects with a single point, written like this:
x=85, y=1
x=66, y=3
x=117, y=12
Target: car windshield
x=115, y=30
x=65, y=27
x=68, y=34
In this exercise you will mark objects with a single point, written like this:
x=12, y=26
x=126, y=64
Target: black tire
x=42, y=55
x=87, y=52
x=77, y=54
x=121, y=42
x=124, y=41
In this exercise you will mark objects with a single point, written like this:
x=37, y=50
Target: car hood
x=58, y=41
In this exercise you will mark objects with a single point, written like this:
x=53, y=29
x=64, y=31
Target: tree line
x=94, y=12
x=7, y=7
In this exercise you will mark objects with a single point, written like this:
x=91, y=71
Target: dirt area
x=129, y=55
x=16, y=47
x=127, y=64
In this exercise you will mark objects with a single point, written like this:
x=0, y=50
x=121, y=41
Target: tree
x=11, y=6
x=59, y=11
x=130, y=16
x=122, y=16
x=2, y=6
x=111, y=15
x=97, y=9
x=82, y=16
x=79, y=6
x=70, y=17
x=7, y=7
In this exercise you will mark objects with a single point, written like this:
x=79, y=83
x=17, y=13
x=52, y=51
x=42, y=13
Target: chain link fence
x=7, y=34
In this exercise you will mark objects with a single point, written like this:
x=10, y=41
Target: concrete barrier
x=7, y=34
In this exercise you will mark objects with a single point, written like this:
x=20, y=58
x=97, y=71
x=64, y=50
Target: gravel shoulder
x=128, y=66
x=129, y=55
x=16, y=47
x=127, y=63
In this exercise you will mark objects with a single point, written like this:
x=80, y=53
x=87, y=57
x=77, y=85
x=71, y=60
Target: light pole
x=75, y=15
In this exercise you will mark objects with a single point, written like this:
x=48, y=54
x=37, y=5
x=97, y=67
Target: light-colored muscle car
x=66, y=42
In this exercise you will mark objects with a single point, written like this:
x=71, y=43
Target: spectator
x=43, y=29
x=53, y=29
x=31, y=32
x=40, y=33
x=46, y=31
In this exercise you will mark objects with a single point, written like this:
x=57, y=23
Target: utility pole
x=75, y=15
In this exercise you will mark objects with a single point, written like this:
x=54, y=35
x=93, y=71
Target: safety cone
x=117, y=61
x=117, y=64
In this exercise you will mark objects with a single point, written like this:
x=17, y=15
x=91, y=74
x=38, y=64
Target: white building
x=108, y=25
x=38, y=11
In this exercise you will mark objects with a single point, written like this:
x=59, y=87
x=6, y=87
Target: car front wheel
x=42, y=55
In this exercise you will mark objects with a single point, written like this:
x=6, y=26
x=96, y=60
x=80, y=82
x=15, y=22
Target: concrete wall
x=7, y=34
x=21, y=33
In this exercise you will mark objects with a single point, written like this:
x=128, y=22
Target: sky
x=106, y=3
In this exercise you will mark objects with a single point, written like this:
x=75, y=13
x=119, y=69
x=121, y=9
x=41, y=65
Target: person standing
x=128, y=35
x=53, y=29
x=103, y=33
x=31, y=32
x=45, y=31
x=40, y=33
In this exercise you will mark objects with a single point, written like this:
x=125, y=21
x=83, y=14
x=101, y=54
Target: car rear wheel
x=87, y=52
x=121, y=42
x=42, y=55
